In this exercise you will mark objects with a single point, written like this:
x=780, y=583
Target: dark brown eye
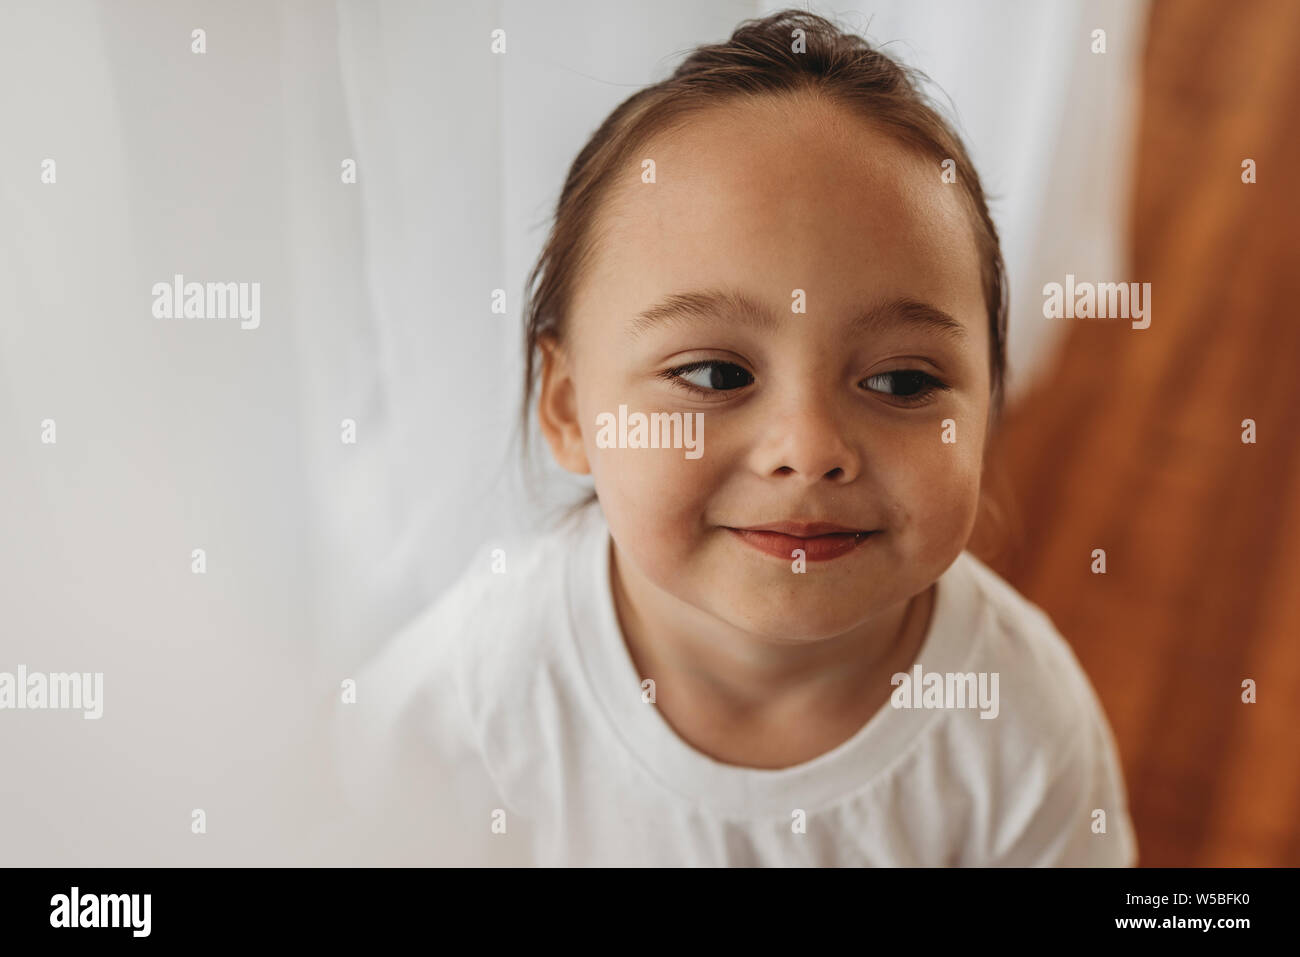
x=712, y=376
x=910, y=385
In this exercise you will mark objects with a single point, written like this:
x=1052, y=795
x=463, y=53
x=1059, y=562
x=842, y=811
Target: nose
x=808, y=441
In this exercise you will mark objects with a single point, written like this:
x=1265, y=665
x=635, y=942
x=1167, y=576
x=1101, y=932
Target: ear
x=557, y=408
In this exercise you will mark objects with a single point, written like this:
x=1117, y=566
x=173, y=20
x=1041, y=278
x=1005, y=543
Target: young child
x=769, y=322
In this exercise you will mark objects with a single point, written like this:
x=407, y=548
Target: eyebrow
x=716, y=305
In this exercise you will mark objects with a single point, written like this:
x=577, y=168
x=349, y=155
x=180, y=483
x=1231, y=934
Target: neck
x=715, y=682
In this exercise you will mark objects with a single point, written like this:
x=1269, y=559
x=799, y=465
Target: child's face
x=802, y=423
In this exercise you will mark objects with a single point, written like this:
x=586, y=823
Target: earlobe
x=557, y=409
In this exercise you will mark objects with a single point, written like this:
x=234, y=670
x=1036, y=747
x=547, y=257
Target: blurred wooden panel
x=1133, y=444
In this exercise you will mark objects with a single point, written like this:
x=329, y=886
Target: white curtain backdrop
x=174, y=435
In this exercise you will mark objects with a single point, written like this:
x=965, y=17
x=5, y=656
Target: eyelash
x=929, y=385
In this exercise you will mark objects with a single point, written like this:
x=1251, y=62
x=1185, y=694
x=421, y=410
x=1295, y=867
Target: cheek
x=654, y=501
x=935, y=490
x=668, y=483
x=655, y=481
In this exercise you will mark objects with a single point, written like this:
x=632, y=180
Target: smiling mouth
x=818, y=542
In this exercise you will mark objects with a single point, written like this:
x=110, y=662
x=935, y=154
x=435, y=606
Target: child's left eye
x=910, y=385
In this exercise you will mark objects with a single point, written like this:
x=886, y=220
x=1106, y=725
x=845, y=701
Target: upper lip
x=803, y=529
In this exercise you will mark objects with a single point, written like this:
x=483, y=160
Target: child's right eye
x=709, y=375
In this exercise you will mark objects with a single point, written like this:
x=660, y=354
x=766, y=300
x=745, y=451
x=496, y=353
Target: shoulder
x=1041, y=672
x=1050, y=753
x=425, y=686
x=492, y=640
x=505, y=601
x=510, y=615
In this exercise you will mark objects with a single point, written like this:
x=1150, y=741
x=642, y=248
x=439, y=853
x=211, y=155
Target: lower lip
x=819, y=548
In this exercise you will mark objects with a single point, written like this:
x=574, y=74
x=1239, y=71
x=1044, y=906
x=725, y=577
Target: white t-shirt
x=507, y=725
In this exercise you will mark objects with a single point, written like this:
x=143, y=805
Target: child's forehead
x=769, y=165
x=761, y=140
x=775, y=191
